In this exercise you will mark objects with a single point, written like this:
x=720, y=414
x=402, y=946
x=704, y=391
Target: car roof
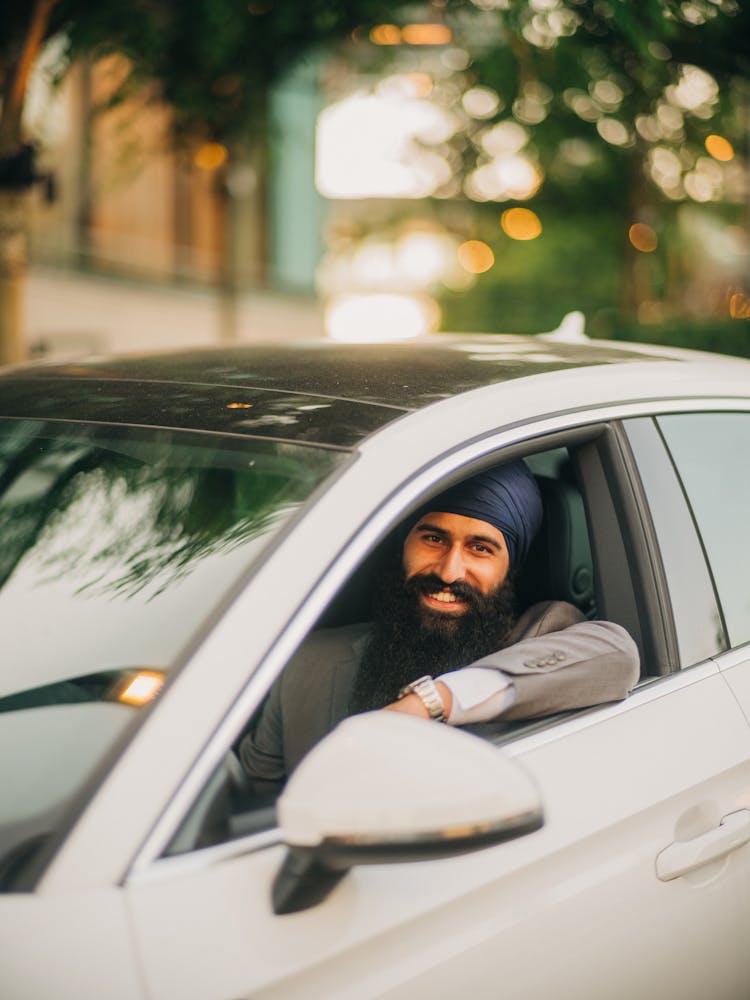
x=315, y=391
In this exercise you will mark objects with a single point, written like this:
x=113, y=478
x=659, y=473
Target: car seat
x=559, y=565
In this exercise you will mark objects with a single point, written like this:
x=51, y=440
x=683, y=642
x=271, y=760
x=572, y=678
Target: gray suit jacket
x=557, y=659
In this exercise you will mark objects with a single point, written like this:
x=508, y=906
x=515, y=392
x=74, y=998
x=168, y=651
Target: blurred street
x=70, y=314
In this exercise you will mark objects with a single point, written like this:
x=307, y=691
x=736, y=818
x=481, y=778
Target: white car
x=172, y=529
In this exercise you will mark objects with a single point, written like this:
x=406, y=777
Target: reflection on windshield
x=122, y=517
x=115, y=544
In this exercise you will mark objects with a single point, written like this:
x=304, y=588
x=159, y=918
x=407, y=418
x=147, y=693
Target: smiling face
x=454, y=549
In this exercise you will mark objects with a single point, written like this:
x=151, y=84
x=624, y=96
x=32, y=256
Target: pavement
x=72, y=314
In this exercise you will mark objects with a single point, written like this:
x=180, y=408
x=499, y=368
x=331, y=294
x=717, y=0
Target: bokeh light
x=504, y=139
x=705, y=182
x=366, y=145
x=210, y=156
x=696, y=91
x=613, y=131
x=481, y=102
x=386, y=34
x=739, y=305
x=421, y=83
x=607, y=94
x=521, y=224
x=643, y=237
x=426, y=34
x=475, y=256
x=380, y=318
x=421, y=257
x=503, y=178
x=582, y=104
x=720, y=148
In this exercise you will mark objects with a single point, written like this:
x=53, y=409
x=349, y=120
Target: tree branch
x=18, y=77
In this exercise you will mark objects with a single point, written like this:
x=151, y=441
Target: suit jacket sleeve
x=307, y=700
x=261, y=751
x=558, y=661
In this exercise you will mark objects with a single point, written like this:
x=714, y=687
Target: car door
x=637, y=884
x=622, y=787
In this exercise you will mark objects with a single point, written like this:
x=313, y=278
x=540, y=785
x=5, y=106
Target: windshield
x=115, y=544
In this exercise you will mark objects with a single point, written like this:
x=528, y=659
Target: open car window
x=561, y=566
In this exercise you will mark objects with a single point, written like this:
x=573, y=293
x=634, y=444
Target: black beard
x=409, y=640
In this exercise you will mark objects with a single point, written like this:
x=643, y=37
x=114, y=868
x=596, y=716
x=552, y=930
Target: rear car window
x=711, y=452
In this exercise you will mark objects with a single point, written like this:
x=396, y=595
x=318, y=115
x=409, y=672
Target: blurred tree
x=625, y=109
x=622, y=123
x=212, y=61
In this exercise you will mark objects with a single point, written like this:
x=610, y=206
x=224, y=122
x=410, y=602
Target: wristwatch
x=426, y=690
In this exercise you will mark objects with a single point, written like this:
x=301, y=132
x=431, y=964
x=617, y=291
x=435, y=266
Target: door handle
x=682, y=857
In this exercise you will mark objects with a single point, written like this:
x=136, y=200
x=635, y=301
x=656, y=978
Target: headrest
x=560, y=566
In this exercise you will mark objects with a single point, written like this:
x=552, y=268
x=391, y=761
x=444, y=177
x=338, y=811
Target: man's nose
x=451, y=566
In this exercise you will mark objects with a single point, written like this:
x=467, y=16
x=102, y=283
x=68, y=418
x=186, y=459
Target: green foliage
x=589, y=69
x=574, y=264
x=213, y=60
x=640, y=48
x=718, y=336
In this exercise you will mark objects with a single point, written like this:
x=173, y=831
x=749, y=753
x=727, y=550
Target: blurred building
x=127, y=201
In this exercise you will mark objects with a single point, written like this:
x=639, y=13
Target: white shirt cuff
x=479, y=694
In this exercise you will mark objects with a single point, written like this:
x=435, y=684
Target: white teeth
x=445, y=598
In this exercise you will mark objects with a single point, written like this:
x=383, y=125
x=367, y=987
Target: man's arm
x=560, y=661
x=589, y=663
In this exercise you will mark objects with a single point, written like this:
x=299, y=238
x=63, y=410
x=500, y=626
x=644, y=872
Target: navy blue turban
x=506, y=497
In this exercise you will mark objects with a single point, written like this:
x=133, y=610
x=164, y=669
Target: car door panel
x=735, y=669
x=67, y=946
x=573, y=910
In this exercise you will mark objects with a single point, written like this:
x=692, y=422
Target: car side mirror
x=385, y=787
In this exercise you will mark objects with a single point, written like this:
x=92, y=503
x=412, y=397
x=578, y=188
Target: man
x=445, y=610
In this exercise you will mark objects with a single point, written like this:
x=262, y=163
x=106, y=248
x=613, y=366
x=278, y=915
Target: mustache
x=431, y=583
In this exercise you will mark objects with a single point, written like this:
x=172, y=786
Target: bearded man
x=447, y=606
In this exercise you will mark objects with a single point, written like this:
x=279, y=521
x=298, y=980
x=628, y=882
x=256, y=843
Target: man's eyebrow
x=426, y=526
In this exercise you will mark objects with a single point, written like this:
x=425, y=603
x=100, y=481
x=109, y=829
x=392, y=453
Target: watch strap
x=426, y=690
